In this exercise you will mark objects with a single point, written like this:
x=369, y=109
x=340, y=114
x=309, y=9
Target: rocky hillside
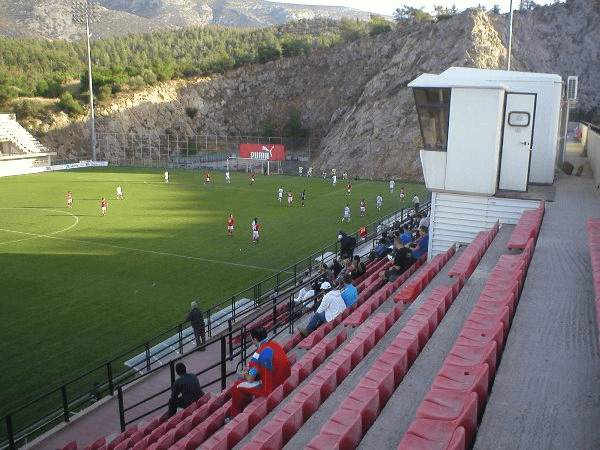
x=354, y=97
x=52, y=19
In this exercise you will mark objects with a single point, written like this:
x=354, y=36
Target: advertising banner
x=272, y=152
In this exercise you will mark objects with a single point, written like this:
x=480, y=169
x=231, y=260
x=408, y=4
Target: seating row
x=284, y=425
x=417, y=284
x=593, y=226
x=469, y=259
x=360, y=409
x=448, y=416
x=527, y=228
x=369, y=303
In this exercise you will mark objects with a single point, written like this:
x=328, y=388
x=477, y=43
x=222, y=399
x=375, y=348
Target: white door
x=516, y=141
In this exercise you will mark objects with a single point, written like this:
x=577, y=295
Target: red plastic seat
x=309, y=398
x=429, y=434
x=290, y=419
x=408, y=342
x=326, y=379
x=473, y=336
x=347, y=429
x=382, y=378
x=397, y=358
x=452, y=406
x=364, y=402
x=465, y=379
x=469, y=356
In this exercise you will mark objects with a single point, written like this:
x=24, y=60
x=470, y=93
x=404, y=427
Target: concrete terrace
x=545, y=391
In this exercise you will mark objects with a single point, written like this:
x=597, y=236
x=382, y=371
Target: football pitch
x=78, y=288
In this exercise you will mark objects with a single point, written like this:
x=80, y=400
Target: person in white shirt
x=331, y=305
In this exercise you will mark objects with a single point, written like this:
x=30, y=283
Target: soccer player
x=255, y=231
x=392, y=184
x=290, y=196
x=309, y=173
x=119, y=192
x=103, y=205
x=280, y=193
x=303, y=197
x=207, y=178
x=363, y=207
x=230, y=224
x=346, y=213
x=402, y=193
x=227, y=177
x=253, y=178
x=379, y=202
x=334, y=179
x=300, y=169
x=349, y=189
x=167, y=176
x=69, y=198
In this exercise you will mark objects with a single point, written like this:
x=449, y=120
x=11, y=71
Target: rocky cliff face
x=354, y=97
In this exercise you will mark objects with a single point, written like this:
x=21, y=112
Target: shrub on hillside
x=68, y=104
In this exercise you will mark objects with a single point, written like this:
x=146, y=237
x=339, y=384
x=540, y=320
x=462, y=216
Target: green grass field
x=78, y=288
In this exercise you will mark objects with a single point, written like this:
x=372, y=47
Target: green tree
x=269, y=127
x=293, y=127
x=68, y=103
x=377, y=25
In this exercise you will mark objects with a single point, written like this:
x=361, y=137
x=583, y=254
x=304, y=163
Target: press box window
x=519, y=118
x=433, y=110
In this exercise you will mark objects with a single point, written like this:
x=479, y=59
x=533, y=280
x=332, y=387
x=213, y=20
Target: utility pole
x=509, y=37
x=86, y=12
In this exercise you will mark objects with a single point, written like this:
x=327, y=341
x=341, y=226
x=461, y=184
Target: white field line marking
x=194, y=258
x=33, y=235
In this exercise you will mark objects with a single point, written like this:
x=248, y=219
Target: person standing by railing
x=195, y=317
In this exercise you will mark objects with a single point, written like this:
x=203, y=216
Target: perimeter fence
x=184, y=151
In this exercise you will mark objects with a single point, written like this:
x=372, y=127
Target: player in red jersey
x=363, y=207
x=349, y=189
x=103, y=205
x=230, y=224
x=207, y=178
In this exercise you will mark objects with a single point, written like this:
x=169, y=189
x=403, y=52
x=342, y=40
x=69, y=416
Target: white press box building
x=489, y=136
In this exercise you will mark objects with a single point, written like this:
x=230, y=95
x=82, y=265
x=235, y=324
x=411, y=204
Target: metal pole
x=509, y=37
x=83, y=11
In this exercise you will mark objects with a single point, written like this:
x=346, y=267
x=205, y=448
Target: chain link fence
x=192, y=152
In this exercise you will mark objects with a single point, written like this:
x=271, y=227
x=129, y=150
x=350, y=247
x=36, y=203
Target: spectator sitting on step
x=420, y=246
x=402, y=258
x=331, y=305
x=382, y=249
x=349, y=291
x=405, y=235
x=269, y=367
x=186, y=390
x=357, y=268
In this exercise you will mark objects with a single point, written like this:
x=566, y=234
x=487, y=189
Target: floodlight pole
x=509, y=37
x=83, y=12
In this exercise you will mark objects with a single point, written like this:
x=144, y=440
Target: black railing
x=82, y=391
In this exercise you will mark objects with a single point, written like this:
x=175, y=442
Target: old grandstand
x=490, y=345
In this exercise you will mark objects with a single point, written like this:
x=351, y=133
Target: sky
x=387, y=7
